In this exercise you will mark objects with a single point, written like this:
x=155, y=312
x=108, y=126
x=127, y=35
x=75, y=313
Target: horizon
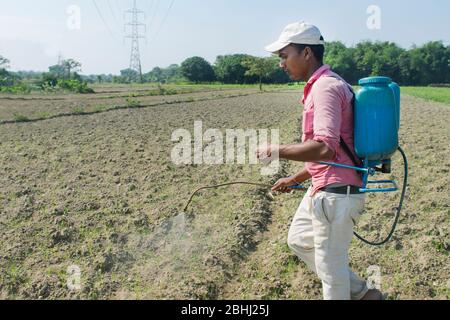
x=96, y=29
x=179, y=63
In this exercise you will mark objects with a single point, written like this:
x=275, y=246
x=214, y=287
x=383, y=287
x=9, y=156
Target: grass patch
x=100, y=108
x=18, y=117
x=13, y=277
x=429, y=93
x=78, y=110
x=440, y=246
x=44, y=115
x=133, y=103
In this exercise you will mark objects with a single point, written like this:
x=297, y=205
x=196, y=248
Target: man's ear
x=308, y=53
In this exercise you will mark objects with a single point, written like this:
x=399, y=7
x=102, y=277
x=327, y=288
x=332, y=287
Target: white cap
x=298, y=32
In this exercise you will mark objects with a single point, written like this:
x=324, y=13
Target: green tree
x=71, y=65
x=173, y=73
x=258, y=67
x=156, y=75
x=58, y=70
x=379, y=58
x=4, y=63
x=128, y=75
x=197, y=69
x=387, y=60
x=7, y=78
x=49, y=79
x=340, y=58
x=425, y=65
x=404, y=64
x=164, y=75
x=436, y=59
x=447, y=54
x=4, y=77
x=230, y=69
x=276, y=74
x=364, y=56
x=77, y=76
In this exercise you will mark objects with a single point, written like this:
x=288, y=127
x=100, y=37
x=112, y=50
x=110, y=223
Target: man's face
x=294, y=63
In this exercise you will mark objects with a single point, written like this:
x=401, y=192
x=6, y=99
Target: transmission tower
x=60, y=59
x=135, y=58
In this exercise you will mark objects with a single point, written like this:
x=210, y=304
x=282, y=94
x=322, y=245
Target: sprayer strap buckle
x=341, y=190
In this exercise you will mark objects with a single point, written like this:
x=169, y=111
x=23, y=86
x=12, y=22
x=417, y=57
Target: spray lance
x=302, y=187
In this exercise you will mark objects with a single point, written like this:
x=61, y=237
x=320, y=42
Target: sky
x=34, y=33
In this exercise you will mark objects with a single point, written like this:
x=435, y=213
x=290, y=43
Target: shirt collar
x=316, y=75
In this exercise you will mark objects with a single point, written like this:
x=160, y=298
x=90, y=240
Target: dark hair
x=317, y=49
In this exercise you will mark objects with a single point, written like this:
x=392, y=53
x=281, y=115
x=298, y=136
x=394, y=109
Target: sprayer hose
x=397, y=215
x=399, y=208
x=223, y=185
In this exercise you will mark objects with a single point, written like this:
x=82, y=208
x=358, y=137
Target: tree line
x=418, y=66
x=63, y=75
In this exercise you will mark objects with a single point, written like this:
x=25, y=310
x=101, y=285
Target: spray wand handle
x=297, y=187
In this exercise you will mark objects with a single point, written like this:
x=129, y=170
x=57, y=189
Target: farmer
x=322, y=228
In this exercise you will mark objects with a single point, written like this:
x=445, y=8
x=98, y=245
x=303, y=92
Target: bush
x=75, y=86
x=48, y=80
x=19, y=88
x=78, y=110
x=20, y=117
x=11, y=83
x=132, y=103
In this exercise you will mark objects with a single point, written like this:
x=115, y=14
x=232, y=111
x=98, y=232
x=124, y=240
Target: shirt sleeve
x=327, y=100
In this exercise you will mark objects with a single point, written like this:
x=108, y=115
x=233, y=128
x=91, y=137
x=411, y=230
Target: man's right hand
x=283, y=185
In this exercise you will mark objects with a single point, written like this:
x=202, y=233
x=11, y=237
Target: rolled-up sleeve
x=327, y=100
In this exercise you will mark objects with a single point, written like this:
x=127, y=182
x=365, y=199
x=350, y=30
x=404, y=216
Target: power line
x=150, y=24
x=119, y=7
x=112, y=12
x=163, y=21
x=103, y=19
x=150, y=9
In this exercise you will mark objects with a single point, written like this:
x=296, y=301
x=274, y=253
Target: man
x=322, y=228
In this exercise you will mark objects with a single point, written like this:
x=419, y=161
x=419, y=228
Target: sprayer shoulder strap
x=344, y=146
x=347, y=150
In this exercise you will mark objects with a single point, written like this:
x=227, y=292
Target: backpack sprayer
x=376, y=125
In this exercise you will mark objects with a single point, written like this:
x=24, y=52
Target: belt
x=341, y=190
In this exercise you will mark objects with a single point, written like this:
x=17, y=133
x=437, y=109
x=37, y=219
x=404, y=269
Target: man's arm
x=309, y=151
x=283, y=185
x=301, y=176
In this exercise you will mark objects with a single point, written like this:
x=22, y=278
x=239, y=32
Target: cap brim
x=276, y=46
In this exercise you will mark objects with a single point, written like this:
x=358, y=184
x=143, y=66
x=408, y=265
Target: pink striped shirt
x=328, y=115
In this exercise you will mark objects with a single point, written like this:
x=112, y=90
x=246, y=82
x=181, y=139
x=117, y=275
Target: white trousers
x=320, y=235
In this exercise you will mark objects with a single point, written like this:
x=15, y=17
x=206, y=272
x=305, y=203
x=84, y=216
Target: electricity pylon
x=135, y=58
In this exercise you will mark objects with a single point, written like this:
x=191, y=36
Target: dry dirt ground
x=99, y=194
x=41, y=106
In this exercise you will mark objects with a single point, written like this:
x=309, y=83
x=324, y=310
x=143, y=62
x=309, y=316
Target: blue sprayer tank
x=377, y=119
